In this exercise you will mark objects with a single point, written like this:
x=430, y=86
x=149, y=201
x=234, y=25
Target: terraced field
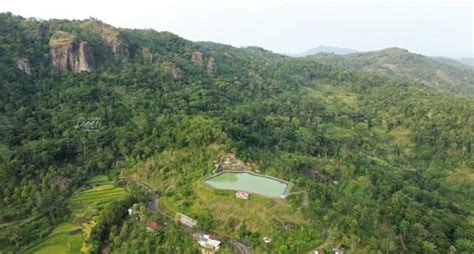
x=99, y=195
x=98, y=179
x=69, y=236
x=63, y=239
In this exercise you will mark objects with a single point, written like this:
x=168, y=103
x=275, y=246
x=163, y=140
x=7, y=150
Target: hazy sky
x=428, y=27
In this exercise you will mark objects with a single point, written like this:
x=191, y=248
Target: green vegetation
x=63, y=239
x=70, y=236
x=99, y=195
x=387, y=163
x=61, y=38
x=98, y=179
x=442, y=74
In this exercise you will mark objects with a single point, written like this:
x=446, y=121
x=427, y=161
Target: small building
x=242, y=195
x=267, y=239
x=319, y=251
x=185, y=220
x=153, y=226
x=208, y=241
x=133, y=209
x=337, y=251
x=106, y=249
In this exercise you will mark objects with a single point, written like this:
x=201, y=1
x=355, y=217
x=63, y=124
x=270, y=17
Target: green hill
x=442, y=74
x=385, y=161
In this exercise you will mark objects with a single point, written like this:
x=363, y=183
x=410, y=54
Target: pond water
x=249, y=182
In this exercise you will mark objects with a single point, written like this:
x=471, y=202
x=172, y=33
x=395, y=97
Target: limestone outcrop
x=86, y=60
x=174, y=71
x=111, y=36
x=197, y=57
x=148, y=55
x=67, y=55
x=211, y=66
x=24, y=65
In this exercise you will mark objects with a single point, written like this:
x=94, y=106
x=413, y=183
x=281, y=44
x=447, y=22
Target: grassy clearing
x=259, y=214
x=334, y=95
x=64, y=228
x=55, y=248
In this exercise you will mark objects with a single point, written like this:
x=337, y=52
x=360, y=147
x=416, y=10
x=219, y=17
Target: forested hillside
x=386, y=160
x=443, y=74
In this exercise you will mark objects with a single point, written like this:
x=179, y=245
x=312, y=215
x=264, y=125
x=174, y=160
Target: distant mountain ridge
x=443, y=74
x=466, y=60
x=325, y=49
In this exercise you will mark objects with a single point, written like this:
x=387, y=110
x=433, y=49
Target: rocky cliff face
x=110, y=35
x=112, y=38
x=86, y=60
x=148, y=55
x=197, y=57
x=211, y=66
x=24, y=65
x=173, y=70
x=67, y=55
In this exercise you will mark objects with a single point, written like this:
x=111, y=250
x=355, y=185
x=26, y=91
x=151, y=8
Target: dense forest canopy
x=81, y=98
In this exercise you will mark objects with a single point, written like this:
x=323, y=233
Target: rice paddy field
x=98, y=179
x=63, y=239
x=99, y=195
x=69, y=236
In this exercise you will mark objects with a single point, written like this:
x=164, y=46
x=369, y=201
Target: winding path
x=305, y=196
x=147, y=186
x=154, y=198
x=241, y=248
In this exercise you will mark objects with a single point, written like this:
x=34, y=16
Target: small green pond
x=249, y=182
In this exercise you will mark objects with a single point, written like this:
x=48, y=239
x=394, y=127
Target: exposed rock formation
x=86, y=60
x=24, y=65
x=444, y=76
x=148, y=55
x=211, y=66
x=40, y=31
x=67, y=55
x=174, y=71
x=62, y=182
x=197, y=57
x=318, y=175
x=392, y=67
x=230, y=162
x=111, y=36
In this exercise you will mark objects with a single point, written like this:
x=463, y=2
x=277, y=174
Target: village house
x=267, y=239
x=153, y=226
x=242, y=195
x=185, y=220
x=133, y=209
x=319, y=251
x=208, y=241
